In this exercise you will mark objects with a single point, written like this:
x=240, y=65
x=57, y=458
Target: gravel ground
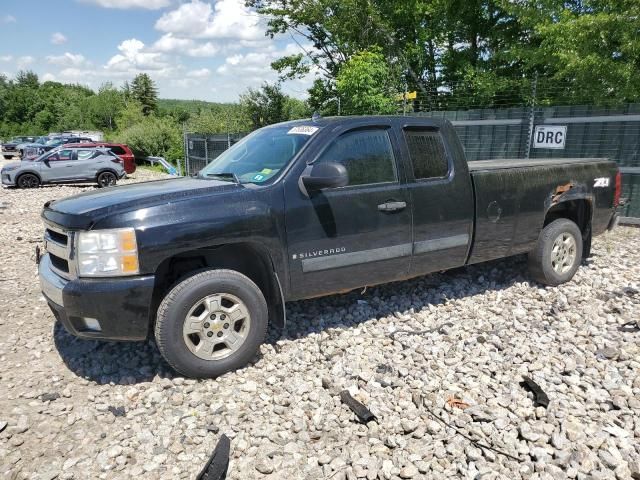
x=81, y=409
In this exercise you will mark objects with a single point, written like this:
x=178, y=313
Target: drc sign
x=549, y=136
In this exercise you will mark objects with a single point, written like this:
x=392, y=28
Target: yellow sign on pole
x=412, y=95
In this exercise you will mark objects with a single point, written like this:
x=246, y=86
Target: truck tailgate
x=512, y=198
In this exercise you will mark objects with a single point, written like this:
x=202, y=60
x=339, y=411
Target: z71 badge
x=601, y=182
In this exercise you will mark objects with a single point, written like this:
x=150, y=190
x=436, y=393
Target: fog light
x=92, y=324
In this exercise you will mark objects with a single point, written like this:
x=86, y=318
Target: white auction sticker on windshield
x=303, y=130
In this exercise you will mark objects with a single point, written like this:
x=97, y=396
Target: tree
x=266, y=105
x=365, y=84
x=153, y=136
x=106, y=105
x=144, y=91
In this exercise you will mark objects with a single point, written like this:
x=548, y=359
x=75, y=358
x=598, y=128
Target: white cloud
x=126, y=4
x=200, y=73
x=67, y=60
x=6, y=58
x=8, y=19
x=169, y=43
x=24, y=61
x=48, y=77
x=229, y=19
x=58, y=38
x=134, y=56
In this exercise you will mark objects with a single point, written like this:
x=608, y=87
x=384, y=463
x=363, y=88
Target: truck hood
x=81, y=211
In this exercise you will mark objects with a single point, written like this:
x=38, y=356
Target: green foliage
x=266, y=105
x=365, y=84
x=144, y=91
x=105, y=106
x=220, y=118
x=480, y=49
x=153, y=136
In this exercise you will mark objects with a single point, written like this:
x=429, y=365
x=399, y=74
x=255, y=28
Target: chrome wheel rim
x=216, y=326
x=563, y=253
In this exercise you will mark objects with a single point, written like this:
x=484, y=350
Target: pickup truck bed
x=513, y=196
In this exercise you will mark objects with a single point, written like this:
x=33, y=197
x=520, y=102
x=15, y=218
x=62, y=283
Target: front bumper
x=120, y=307
x=8, y=179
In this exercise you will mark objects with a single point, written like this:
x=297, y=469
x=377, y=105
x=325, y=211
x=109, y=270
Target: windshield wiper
x=225, y=175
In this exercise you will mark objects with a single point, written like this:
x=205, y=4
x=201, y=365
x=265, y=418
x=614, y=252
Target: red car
x=121, y=150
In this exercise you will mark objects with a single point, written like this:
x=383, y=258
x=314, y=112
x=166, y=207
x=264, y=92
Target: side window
x=118, y=150
x=366, y=154
x=65, y=155
x=85, y=154
x=427, y=153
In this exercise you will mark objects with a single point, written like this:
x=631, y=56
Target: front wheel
x=211, y=323
x=106, y=179
x=558, y=253
x=28, y=180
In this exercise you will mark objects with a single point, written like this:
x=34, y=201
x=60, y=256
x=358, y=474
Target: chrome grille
x=59, y=245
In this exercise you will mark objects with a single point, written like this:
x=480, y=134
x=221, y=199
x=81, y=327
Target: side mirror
x=325, y=175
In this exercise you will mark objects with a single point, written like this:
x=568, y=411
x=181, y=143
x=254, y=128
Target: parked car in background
x=94, y=135
x=10, y=148
x=38, y=142
x=31, y=152
x=121, y=150
x=65, y=165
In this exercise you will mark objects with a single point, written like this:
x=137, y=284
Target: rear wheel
x=558, y=253
x=211, y=323
x=7, y=157
x=107, y=179
x=28, y=180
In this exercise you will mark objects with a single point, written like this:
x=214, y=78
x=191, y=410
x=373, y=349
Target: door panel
x=60, y=167
x=442, y=199
x=341, y=238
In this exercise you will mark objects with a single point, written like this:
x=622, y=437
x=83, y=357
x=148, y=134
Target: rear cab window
x=427, y=153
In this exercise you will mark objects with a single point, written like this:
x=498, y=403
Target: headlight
x=10, y=168
x=108, y=253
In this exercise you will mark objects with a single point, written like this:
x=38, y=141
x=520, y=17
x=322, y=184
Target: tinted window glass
x=366, y=154
x=85, y=154
x=63, y=155
x=427, y=153
x=118, y=150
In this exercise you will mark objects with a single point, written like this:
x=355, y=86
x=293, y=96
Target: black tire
x=180, y=301
x=28, y=180
x=106, y=179
x=7, y=157
x=543, y=263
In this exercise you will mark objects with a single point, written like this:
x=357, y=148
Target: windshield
x=259, y=156
x=53, y=141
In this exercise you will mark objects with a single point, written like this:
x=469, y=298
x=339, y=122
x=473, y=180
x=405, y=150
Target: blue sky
x=196, y=49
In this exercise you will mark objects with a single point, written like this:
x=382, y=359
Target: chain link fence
x=200, y=148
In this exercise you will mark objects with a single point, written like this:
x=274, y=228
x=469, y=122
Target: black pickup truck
x=304, y=209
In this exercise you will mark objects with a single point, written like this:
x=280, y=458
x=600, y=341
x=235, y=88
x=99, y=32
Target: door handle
x=392, y=206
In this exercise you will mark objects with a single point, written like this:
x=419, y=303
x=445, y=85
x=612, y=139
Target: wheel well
x=244, y=258
x=578, y=211
x=106, y=170
x=28, y=172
